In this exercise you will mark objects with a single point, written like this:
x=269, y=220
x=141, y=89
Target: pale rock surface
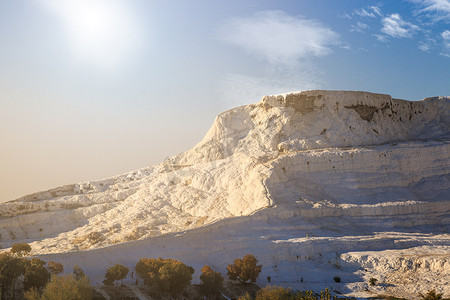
x=316, y=184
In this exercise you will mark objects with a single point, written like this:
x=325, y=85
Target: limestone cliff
x=340, y=164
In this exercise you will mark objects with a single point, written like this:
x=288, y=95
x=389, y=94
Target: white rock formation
x=317, y=184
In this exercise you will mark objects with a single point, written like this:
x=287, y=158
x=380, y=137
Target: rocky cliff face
x=320, y=119
x=346, y=163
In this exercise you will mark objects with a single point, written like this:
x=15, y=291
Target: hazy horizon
x=94, y=88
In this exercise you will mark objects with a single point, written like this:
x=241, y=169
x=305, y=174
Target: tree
x=35, y=275
x=118, y=272
x=244, y=269
x=10, y=268
x=21, y=249
x=175, y=276
x=63, y=287
x=78, y=272
x=168, y=275
x=212, y=282
x=373, y=281
x=148, y=269
x=55, y=267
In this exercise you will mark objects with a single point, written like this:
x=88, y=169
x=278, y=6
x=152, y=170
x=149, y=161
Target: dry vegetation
x=154, y=279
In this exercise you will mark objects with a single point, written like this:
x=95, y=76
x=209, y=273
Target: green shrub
x=78, y=272
x=36, y=275
x=212, y=282
x=337, y=279
x=279, y=293
x=325, y=295
x=118, y=272
x=33, y=294
x=10, y=268
x=55, y=267
x=168, y=275
x=21, y=249
x=274, y=293
x=305, y=295
x=63, y=287
x=245, y=269
x=245, y=297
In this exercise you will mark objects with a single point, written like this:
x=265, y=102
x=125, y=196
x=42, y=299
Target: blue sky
x=94, y=88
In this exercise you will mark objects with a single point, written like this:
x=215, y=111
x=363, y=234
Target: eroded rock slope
x=353, y=164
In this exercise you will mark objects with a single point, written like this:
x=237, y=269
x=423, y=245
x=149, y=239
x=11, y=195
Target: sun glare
x=99, y=32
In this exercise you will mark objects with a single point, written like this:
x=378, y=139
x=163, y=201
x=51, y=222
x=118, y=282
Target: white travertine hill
x=360, y=178
x=319, y=119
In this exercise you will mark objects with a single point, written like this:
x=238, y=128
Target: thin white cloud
x=376, y=10
x=446, y=38
x=436, y=10
x=425, y=47
x=359, y=27
x=346, y=16
x=381, y=37
x=446, y=35
x=396, y=27
x=363, y=13
x=345, y=45
x=278, y=37
x=427, y=44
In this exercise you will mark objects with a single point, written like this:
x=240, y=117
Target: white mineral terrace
x=316, y=184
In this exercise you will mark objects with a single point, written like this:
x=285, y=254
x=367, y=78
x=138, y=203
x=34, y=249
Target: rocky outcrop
x=336, y=163
x=320, y=119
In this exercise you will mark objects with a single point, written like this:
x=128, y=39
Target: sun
x=99, y=32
